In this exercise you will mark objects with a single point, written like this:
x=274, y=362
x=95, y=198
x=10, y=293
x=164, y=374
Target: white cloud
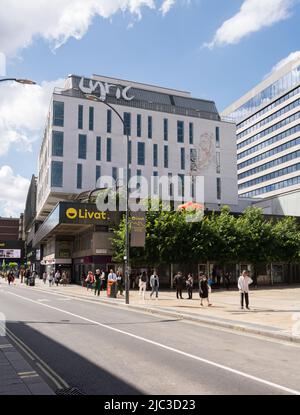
x=23, y=112
x=13, y=191
x=294, y=56
x=252, y=17
x=166, y=6
x=59, y=20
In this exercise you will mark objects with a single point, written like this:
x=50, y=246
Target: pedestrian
x=10, y=278
x=190, y=285
x=44, y=277
x=204, y=290
x=22, y=274
x=179, y=282
x=64, y=279
x=243, y=286
x=154, y=284
x=57, y=277
x=143, y=284
x=120, y=283
x=27, y=276
x=90, y=279
x=112, y=281
x=51, y=278
x=98, y=282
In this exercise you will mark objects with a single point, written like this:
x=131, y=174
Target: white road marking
x=171, y=349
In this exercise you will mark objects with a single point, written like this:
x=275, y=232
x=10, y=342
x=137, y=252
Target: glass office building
x=268, y=135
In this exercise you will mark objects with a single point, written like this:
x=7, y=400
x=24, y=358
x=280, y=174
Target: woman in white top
x=243, y=285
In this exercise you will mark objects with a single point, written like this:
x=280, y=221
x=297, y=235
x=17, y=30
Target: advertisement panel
x=10, y=253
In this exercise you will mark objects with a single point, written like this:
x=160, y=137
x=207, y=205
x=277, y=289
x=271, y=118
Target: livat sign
x=104, y=89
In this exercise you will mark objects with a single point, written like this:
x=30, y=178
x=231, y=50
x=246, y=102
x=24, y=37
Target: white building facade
x=170, y=132
x=268, y=139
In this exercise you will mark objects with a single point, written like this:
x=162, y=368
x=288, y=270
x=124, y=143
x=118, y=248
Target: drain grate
x=69, y=391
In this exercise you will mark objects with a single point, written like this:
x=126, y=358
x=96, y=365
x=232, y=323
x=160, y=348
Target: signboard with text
x=138, y=230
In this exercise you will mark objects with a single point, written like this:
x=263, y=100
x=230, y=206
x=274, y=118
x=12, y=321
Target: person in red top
x=90, y=279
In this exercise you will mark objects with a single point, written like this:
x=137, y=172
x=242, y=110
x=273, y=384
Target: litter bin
x=111, y=289
x=31, y=281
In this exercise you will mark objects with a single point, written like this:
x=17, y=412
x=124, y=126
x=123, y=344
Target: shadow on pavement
x=72, y=367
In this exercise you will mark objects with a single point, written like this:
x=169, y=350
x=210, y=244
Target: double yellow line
x=50, y=373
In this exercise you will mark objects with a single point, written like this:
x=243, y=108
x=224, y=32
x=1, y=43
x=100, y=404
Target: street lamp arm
x=19, y=81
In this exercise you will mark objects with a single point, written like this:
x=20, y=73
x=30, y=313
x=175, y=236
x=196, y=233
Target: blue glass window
x=127, y=123
x=166, y=157
x=149, y=127
x=141, y=154
x=57, y=143
x=109, y=121
x=166, y=129
x=182, y=158
x=218, y=137
x=180, y=131
x=139, y=125
x=155, y=182
x=155, y=155
x=91, y=118
x=80, y=117
x=58, y=113
x=219, y=190
x=82, y=146
x=98, y=173
x=108, y=150
x=98, y=149
x=115, y=174
x=79, y=176
x=129, y=152
x=56, y=174
x=191, y=131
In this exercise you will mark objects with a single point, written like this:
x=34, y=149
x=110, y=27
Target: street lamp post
x=126, y=257
x=19, y=81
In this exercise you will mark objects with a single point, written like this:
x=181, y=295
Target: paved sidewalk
x=16, y=375
x=274, y=311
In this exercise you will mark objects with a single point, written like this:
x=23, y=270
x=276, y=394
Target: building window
x=82, y=144
x=91, y=118
x=127, y=123
x=108, y=150
x=218, y=158
x=191, y=131
x=166, y=129
x=139, y=125
x=150, y=127
x=98, y=149
x=58, y=113
x=141, y=154
x=79, y=176
x=98, y=174
x=166, y=157
x=219, y=190
x=182, y=158
x=180, y=131
x=181, y=185
x=57, y=174
x=57, y=143
x=129, y=152
x=155, y=182
x=139, y=175
x=170, y=184
x=80, y=117
x=155, y=155
x=218, y=137
x=109, y=121
x=115, y=174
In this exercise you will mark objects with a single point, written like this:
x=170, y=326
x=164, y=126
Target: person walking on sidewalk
x=120, y=283
x=57, y=277
x=154, y=284
x=190, y=285
x=143, y=284
x=204, y=290
x=243, y=286
x=98, y=282
x=179, y=283
x=90, y=279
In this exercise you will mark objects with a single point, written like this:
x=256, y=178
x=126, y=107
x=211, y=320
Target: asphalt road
x=103, y=350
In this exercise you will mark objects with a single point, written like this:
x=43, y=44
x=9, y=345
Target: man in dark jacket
x=179, y=282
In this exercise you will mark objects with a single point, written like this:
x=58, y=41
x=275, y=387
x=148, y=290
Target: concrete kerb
x=198, y=319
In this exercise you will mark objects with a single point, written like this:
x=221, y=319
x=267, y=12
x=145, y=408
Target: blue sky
x=214, y=48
